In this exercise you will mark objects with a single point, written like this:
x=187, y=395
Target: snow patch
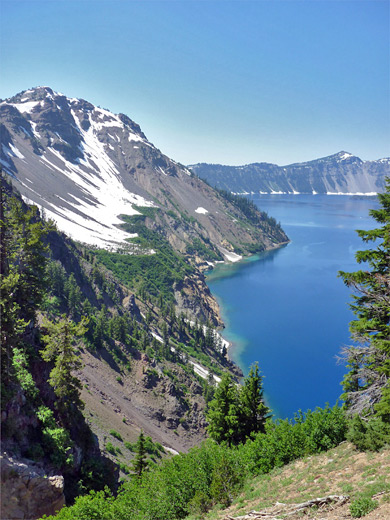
x=344, y=156
x=96, y=219
x=157, y=337
x=368, y=194
x=201, y=210
x=231, y=257
x=35, y=132
x=26, y=107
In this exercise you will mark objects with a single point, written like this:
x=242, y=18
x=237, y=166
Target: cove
x=286, y=308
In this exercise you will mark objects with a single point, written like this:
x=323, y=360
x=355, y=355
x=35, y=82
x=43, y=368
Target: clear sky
x=232, y=82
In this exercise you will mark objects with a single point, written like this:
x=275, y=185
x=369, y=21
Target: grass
x=340, y=471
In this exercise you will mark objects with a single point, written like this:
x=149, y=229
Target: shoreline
x=227, y=268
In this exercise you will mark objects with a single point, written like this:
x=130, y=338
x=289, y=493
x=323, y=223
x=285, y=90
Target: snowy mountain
x=341, y=173
x=86, y=167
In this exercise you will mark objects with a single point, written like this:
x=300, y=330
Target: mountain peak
x=342, y=156
x=91, y=170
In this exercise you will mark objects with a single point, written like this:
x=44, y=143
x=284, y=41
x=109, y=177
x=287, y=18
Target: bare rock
x=28, y=492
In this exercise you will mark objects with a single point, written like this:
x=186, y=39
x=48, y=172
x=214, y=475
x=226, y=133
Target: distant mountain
x=341, y=173
x=86, y=167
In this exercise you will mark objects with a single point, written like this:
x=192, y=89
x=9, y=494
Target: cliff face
x=28, y=491
x=338, y=173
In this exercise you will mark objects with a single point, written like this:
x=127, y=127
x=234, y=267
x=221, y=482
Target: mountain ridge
x=86, y=167
x=340, y=173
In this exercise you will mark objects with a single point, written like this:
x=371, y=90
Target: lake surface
x=287, y=309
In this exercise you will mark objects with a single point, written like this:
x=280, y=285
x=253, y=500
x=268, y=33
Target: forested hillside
x=70, y=312
x=66, y=308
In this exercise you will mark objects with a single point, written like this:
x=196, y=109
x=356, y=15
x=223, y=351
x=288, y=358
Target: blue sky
x=232, y=82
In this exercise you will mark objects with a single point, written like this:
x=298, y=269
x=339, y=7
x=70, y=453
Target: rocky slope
x=86, y=167
x=341, y=173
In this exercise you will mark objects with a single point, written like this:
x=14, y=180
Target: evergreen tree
x=223, y=413
x=59, y=339
x=22, y=269
x=140, y=464
x=253, y=411
x=367, y=384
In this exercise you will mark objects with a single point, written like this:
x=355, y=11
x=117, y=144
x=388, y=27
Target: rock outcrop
x=28, y=491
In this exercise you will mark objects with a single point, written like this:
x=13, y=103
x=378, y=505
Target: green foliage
x=253, y=411
x=223, y=413
x=23, y=375
x=208, y=252
x=94, y=506
x=22, y=267
x=253, y=214
x=110, y=448
x=368, y=435
x=284, y=440
x=154, y=275
x=226, y=478
x=362, y=506
x=59, y=340
x=140, y=464
x=367, y=384
x=116, y=434
x=212, y=473
x=237, y=413
x=57, y=443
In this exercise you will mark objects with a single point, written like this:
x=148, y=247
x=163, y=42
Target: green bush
x=285, y=441
x=116, y=434
x=21, y=365
x=362, y=506
x=371, y=435
x=212, y=474
x=110, y=448
x=58, y=444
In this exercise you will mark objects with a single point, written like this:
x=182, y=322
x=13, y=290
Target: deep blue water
x=287, y=309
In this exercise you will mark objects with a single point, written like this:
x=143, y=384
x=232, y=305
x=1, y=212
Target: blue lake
x=287, y=309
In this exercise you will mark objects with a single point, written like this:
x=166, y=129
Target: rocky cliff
x=341, y=173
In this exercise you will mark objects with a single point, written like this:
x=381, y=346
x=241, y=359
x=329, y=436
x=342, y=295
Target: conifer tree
x=253, y=411
x=140, y=464
x=22, y=269
x=367, y=384
x=60, y=350
x=223, y=413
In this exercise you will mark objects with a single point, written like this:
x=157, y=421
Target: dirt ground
x=342, y=471
x=122, y=402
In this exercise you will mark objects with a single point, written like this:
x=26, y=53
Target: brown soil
x=341, y=471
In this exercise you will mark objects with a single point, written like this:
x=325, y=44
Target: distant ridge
x=341, y=173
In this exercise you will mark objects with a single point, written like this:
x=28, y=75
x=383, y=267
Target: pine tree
x=253, y=411
x=22, y=266
x=223, y=413
x=59, y=339
x=140, y=464
x=367, y=384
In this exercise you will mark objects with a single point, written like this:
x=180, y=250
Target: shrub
x=116, y=434
x=362, y=506
x=371, y=435
x=20, y=365
x=57, y=440
x=110, y=448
